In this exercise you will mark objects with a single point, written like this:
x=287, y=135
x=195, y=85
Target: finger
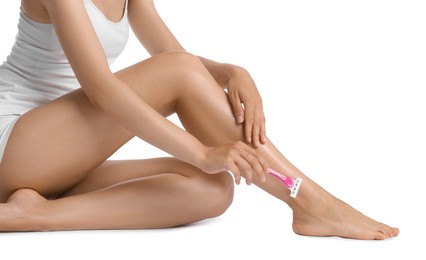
x=265, y=168
x=262, y=126
x=258, y=164
x=263, y=132
x=248, y=116
x=256, y=132
x=234, y=170
x=255, y=161
x=252, y=158
x=245, y=167
x=238, y=109
x=260, y=167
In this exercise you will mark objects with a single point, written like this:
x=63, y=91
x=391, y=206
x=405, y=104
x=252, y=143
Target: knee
x=220, y=194
x=183, y=62
x=181, y=57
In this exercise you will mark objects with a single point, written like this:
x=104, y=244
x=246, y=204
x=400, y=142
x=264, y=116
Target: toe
x=395, y=232
x=380, y=235
x=386, y=230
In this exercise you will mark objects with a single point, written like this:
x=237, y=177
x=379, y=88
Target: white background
x=343, y=86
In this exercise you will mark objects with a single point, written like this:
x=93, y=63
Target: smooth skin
x=64, y=156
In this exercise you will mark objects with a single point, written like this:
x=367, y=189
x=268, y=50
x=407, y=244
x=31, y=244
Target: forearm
x=121, y=103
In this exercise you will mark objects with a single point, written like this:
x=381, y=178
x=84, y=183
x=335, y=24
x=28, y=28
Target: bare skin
x=65, y=155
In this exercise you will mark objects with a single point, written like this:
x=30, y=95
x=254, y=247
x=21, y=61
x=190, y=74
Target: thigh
x=53, y=147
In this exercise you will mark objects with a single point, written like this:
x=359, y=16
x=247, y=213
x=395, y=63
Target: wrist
x=200, y=157
x=222, y=72
x=231, y=71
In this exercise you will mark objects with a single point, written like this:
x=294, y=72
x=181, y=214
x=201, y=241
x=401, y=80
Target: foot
x=317, y=213
x=21, y=211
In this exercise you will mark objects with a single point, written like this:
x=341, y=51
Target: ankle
x=39, y=220
x=310, y=195
x=27, y=211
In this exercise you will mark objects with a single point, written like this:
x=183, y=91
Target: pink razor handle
x=292, y=184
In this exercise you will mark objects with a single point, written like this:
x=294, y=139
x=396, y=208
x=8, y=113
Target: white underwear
x=6, y=124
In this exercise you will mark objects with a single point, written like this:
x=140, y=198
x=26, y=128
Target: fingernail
x=240, y=119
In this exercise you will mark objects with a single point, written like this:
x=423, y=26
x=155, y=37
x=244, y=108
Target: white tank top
x=37, y=70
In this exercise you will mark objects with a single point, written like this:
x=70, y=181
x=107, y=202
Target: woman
x=56, y=137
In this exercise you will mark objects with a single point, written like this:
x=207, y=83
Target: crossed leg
x=70, y=139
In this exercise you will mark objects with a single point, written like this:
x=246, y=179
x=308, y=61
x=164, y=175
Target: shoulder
x=38, y=10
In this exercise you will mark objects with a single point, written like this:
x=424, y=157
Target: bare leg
x=154, y=193
x=205, y=112
x=68, y=141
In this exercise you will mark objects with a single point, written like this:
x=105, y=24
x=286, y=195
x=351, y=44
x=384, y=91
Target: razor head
x=295, y=189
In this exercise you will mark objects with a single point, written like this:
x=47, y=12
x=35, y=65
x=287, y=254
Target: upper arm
x=150, y=29
x=79, y=42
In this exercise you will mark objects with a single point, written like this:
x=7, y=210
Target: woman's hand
x=239, y=159
x=247, y=105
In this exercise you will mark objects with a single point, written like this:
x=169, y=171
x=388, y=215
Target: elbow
x=97, y=95
x=96, y=92
x=96, y=102
x=94, y=96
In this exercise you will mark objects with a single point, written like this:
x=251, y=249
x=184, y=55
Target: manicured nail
x=240, y=119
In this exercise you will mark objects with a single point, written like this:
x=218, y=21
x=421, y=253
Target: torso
x=35, y=9
x=37, y=69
